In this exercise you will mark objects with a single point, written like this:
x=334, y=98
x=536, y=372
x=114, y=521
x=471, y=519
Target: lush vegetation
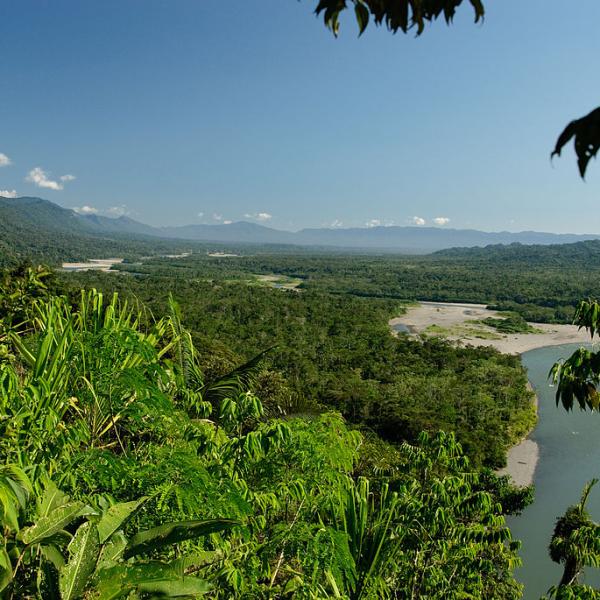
x=575, y=544
x=138, y=460
x=336, y=351
x=541, y=283
x=512, y=323
x=38, y=230
x=128, y=472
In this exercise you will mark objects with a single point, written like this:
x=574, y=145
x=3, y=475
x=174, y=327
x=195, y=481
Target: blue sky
x=171, y=109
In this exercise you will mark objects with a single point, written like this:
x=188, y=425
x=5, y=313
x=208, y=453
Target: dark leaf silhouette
x=395, y=14
x=586, y=132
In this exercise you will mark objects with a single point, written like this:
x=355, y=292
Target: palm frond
x=235, y=382
x=185, y=352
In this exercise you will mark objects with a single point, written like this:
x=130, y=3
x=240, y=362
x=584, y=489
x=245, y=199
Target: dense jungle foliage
x=139, y=462
x=336, y=351
x=127, y=472
x=541, y=283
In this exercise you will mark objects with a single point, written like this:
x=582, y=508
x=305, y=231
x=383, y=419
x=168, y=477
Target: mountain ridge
x=26, y=214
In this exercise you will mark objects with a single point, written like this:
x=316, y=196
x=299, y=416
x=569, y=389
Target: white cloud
x=217, y=217
x=441, y=220
x=261, y=216
x=200, y=215
x=4, y=160
x=8, y=194
x=227, y=222
x=418, y=220
x=40, y=178
x=118, y=211
x=336, y=224
x=85, y=210
x=373, y=223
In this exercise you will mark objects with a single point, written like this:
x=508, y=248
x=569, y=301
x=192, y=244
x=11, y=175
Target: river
x=569, y=445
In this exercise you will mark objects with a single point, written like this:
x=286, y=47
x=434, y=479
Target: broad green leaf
x=9, y=514
x=112, y=550
x=83, y=554
x=56, y=520
x=155, y=578
x=172, y=533
x=53, y=554
x=52, y=498
x=188, y=586
x=115, y=517
x=6, y=571
x=19, y=483
x=4, y=559
x=181, y=565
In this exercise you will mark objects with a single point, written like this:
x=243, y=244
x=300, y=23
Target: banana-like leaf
x=186, y=587
x=9, y=510
x=112, y=550
x=6, y=570
x=116, y=516
x=172, y=533
x=51, y=499
x=194, y=561
x=83, y=551
x=153, y=578
x=56, y=520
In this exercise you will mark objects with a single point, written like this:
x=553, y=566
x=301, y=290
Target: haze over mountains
x=23, y=216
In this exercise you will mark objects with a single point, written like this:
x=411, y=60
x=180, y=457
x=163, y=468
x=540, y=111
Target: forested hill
x=39, y=230
x=558, y=255
x=47, y=231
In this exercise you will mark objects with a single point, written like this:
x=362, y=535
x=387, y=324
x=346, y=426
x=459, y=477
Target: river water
x=569, y=446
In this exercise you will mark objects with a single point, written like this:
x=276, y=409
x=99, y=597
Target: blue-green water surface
x=569, y=445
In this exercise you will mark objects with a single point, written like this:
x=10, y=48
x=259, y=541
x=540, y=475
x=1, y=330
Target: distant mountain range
x=394, y=238
x=42, y=219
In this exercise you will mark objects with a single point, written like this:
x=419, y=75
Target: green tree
x=575, y=544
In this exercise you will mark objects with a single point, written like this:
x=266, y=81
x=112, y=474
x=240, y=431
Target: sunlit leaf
x=83, y=554
x=116, y=516
x=172, y=533
x=51, y=524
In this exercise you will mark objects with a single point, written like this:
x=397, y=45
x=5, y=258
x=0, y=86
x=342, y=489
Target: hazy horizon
x=426, y=227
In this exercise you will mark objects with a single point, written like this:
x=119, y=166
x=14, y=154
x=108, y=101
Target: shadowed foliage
x=397, y=15
x=578, y=376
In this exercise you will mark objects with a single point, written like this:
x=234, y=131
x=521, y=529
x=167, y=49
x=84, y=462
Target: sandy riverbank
x=521, y=462
x=94, y=264
x=456, y=322
x=522, y=459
